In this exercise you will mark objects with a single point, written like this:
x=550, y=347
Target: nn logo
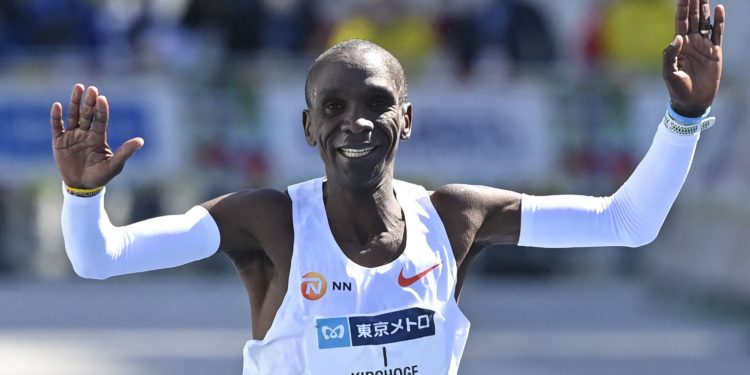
x=313, y=286
x=342, y=285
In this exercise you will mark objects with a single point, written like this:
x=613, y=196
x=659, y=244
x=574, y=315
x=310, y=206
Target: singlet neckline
x=340, y=252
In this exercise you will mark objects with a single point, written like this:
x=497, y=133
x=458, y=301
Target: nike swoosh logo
x=406, y=281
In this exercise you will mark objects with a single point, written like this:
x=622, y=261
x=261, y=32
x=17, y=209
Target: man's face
x=355, y=119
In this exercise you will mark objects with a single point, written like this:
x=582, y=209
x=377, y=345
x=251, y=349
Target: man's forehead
x=368, y=68
x=368, y=62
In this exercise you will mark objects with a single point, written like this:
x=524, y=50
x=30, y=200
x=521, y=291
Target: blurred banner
x=143, y=107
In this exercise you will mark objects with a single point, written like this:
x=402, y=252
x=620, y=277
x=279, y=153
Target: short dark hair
x=359, y=45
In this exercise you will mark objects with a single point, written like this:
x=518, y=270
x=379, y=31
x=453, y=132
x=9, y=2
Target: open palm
x=81, y=152
x=693, y=61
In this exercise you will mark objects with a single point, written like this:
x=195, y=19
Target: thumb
x=125, y=152
x=670, y=56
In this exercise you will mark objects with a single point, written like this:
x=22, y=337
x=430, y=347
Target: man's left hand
x=693, y=61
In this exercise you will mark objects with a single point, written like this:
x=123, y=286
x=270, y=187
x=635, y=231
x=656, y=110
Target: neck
x=364, y=213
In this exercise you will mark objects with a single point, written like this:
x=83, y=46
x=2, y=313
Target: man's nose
x=357, y=124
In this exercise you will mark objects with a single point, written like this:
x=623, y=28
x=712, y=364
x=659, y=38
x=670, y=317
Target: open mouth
x=354, y=153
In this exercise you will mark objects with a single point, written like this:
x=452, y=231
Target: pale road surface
x=198, y=325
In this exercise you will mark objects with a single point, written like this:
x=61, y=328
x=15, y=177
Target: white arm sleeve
x=97, y=249
x=630, y=217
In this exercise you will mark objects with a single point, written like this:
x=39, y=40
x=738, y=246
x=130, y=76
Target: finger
x=694, y=17
x=87, y=108
x=125, y=152
x=55, y=119
x=74, y=107
x=704, y=27
x=717, y=36
x=670, y=56
x=705, y=11
x=101, y=115
x=681, y=18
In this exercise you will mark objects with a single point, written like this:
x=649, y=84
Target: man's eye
x=330, y=107
x=379, y=103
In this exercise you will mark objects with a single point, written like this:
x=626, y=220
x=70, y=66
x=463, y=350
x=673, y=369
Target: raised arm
x=96, y=248
x=634, y=214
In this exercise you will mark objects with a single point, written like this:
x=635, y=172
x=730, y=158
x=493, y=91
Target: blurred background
x=536, y=96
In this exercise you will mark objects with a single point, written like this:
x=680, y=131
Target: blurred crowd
x=160, y=31
x=163, y=31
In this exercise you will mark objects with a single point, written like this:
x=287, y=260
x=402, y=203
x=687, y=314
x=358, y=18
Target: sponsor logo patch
x=313, y=286
x=396, y=326
x=406, y=281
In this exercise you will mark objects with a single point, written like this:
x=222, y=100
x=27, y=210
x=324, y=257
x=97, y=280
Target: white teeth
x=356, y=153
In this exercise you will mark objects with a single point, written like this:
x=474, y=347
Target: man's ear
x=406, y=113
x=306, y=127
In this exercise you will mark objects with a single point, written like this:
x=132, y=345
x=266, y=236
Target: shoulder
x=484, y=213
x=245, y=218
x=456, y=198
x=449, y=198
x=251, y=200
x=456, y=202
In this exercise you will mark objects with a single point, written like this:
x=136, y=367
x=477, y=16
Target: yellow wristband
x=78, y=192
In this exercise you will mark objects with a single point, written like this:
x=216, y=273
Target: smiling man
x=355, y=272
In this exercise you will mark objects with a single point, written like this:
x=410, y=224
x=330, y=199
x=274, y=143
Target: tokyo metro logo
x=313, y=286
x=372, y=330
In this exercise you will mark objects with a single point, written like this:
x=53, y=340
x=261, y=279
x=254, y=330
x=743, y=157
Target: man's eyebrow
x=376, y=87
x=381, y=90
x=327, y=93
x=371, y=89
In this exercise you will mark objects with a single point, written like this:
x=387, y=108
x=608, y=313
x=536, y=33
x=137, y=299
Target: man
x=357, y=273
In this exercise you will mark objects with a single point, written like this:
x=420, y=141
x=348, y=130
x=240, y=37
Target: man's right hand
x=82, y=154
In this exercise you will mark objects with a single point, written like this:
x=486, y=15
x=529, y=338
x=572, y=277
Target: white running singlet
x=340, y=318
